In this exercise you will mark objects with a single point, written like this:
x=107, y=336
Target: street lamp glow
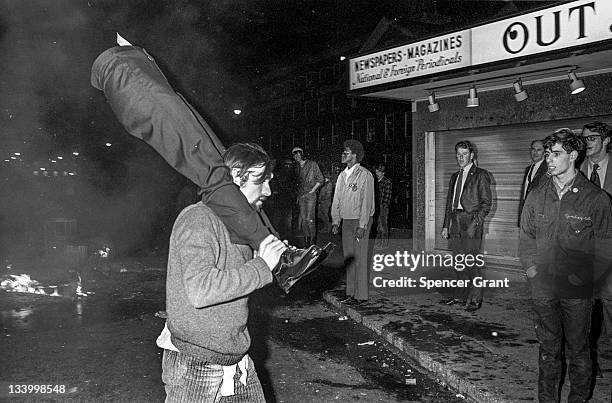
x=75, y=153
x=237, y=111
x=13, y=158
x=43, y=169
x=342, y=58
x=60, y=158
x=108, y=144
x=54, y=161
x=17, y=153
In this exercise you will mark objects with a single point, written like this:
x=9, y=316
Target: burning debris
x=21, y=283
x=24, y=283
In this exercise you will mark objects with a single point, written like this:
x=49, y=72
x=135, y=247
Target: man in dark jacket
x=566, y=233
x=467, y=204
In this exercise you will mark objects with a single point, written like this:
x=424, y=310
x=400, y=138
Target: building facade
x=500, y=85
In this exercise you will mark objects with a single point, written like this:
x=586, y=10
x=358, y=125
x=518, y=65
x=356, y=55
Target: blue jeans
x=556, y=319
x=188, y=379
x=308, y=203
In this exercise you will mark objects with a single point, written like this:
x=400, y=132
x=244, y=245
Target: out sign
x=571, y=24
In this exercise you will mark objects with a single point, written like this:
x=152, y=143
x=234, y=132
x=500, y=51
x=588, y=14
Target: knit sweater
x=207, y=287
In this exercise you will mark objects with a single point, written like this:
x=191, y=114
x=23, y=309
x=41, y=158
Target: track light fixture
x=576, y=85
x=519, y=92
x=472, y=101
x=433, y=105
x=495, y=83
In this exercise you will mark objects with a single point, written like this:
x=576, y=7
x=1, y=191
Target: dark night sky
x=210, y=50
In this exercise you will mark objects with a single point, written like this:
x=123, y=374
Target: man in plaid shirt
x=384, y=201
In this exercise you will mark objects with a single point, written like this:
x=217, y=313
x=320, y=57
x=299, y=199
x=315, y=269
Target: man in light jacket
x=353, y=204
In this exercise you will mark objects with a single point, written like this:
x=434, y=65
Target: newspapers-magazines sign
x=431, y=56
x=568, y=25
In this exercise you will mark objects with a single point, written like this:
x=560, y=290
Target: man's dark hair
x=464, y=144
x=245, y=156
x=356, y=147
x=602, y=129
x=567, y=139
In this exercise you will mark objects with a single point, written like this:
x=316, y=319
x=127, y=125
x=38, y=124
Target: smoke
x=125, y=192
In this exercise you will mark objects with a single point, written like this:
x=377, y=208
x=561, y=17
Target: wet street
x=102, y=347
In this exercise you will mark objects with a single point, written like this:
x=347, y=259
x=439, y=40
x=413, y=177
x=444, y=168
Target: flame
x=20, y=283
x=24, y=283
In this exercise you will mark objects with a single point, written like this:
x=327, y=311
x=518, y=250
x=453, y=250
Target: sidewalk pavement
x=490, y=355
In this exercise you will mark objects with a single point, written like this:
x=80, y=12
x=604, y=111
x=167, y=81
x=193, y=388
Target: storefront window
x=334, y=133
x=323, y=104
x=356, y=129
x=370, y=129
x=407, y=124
x=389, y=126
x=321, y=137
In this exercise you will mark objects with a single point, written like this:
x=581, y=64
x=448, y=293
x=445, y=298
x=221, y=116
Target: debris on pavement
x=366, y=343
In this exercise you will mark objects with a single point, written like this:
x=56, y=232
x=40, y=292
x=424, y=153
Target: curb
x=428, y=361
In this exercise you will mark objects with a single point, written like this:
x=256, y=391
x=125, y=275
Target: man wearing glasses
x=598, y=138
x=596, y=167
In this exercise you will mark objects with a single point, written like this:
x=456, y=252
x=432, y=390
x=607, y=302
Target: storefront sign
x=432, y=56
x=572, y=24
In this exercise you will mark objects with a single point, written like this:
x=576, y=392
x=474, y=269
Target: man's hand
x=334, y=229
x=532, y=271
x=270, y=250
x=444, y=233
x=359, y=233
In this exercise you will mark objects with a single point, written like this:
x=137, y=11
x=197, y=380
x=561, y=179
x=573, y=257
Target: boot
x=297, y=263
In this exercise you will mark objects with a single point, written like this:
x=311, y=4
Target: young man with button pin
x=566, y=232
